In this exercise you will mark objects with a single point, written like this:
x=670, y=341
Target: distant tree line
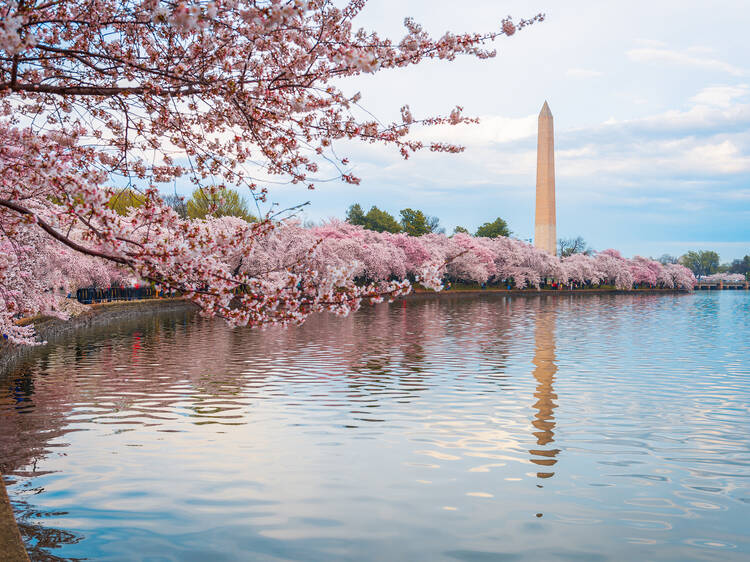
x=413, y=222
x=702, y=262
x=416, y=223
x=707, y=262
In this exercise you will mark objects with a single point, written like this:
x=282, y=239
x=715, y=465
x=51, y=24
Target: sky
x=651, y=105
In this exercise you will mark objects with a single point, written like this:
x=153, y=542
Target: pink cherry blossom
x=144, y=92
x=731, y=278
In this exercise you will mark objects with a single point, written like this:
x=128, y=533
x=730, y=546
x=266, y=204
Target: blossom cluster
x=36, y=275
x=12, y=39
x=730, y=278
x=375, y=256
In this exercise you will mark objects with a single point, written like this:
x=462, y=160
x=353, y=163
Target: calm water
x=487, y=428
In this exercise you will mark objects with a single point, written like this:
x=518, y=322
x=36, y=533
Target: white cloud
x=583, y=73
x=652, y=160
x=650, y=43
x=699, y=119
x=584, y=151
x=684, y=58
x=491, y=129
x=720, y=96
x=720, y=158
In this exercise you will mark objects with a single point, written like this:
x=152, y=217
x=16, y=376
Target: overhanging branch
x=61, y=237
x=104, y=91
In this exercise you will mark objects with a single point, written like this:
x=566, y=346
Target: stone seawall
x=51, y=330
x=11, y=545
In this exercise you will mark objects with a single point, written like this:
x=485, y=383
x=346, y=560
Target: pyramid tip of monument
x=545, y=110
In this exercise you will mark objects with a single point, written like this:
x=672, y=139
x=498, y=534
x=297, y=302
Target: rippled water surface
x=477, y=428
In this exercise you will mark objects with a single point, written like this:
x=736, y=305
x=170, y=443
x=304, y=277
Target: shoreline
x=11, y=544
x=51, y=329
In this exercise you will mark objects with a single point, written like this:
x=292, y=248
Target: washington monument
x=545, y=227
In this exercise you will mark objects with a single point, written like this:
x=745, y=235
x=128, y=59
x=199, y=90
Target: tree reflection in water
x=544, y=373
x=41, y=539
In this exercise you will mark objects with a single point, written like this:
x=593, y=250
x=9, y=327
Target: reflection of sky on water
x=453, y=428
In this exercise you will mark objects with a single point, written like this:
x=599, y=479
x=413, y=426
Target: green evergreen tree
x=382, y=221
x=414, y=223
x=493, y=229
x=375, y=219
x=355, y=215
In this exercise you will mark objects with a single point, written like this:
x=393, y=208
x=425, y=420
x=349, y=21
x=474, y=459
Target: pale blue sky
x=652, y=115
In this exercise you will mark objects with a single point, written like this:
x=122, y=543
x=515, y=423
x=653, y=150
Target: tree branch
x=104, y=91
x=60, y=237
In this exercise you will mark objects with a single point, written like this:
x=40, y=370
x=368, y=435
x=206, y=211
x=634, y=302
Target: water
x=487, y=428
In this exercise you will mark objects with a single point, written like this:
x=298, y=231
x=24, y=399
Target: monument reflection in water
x=544, y=373
x=424, y=430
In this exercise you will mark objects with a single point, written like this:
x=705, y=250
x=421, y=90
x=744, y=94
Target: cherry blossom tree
x=615, y=269
x=678, y=277
x=131, y=94
x=36, y=273
x=375, y=257
x=580, y=269
x=291, y=262
x=731, y=278
x=645, y=271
